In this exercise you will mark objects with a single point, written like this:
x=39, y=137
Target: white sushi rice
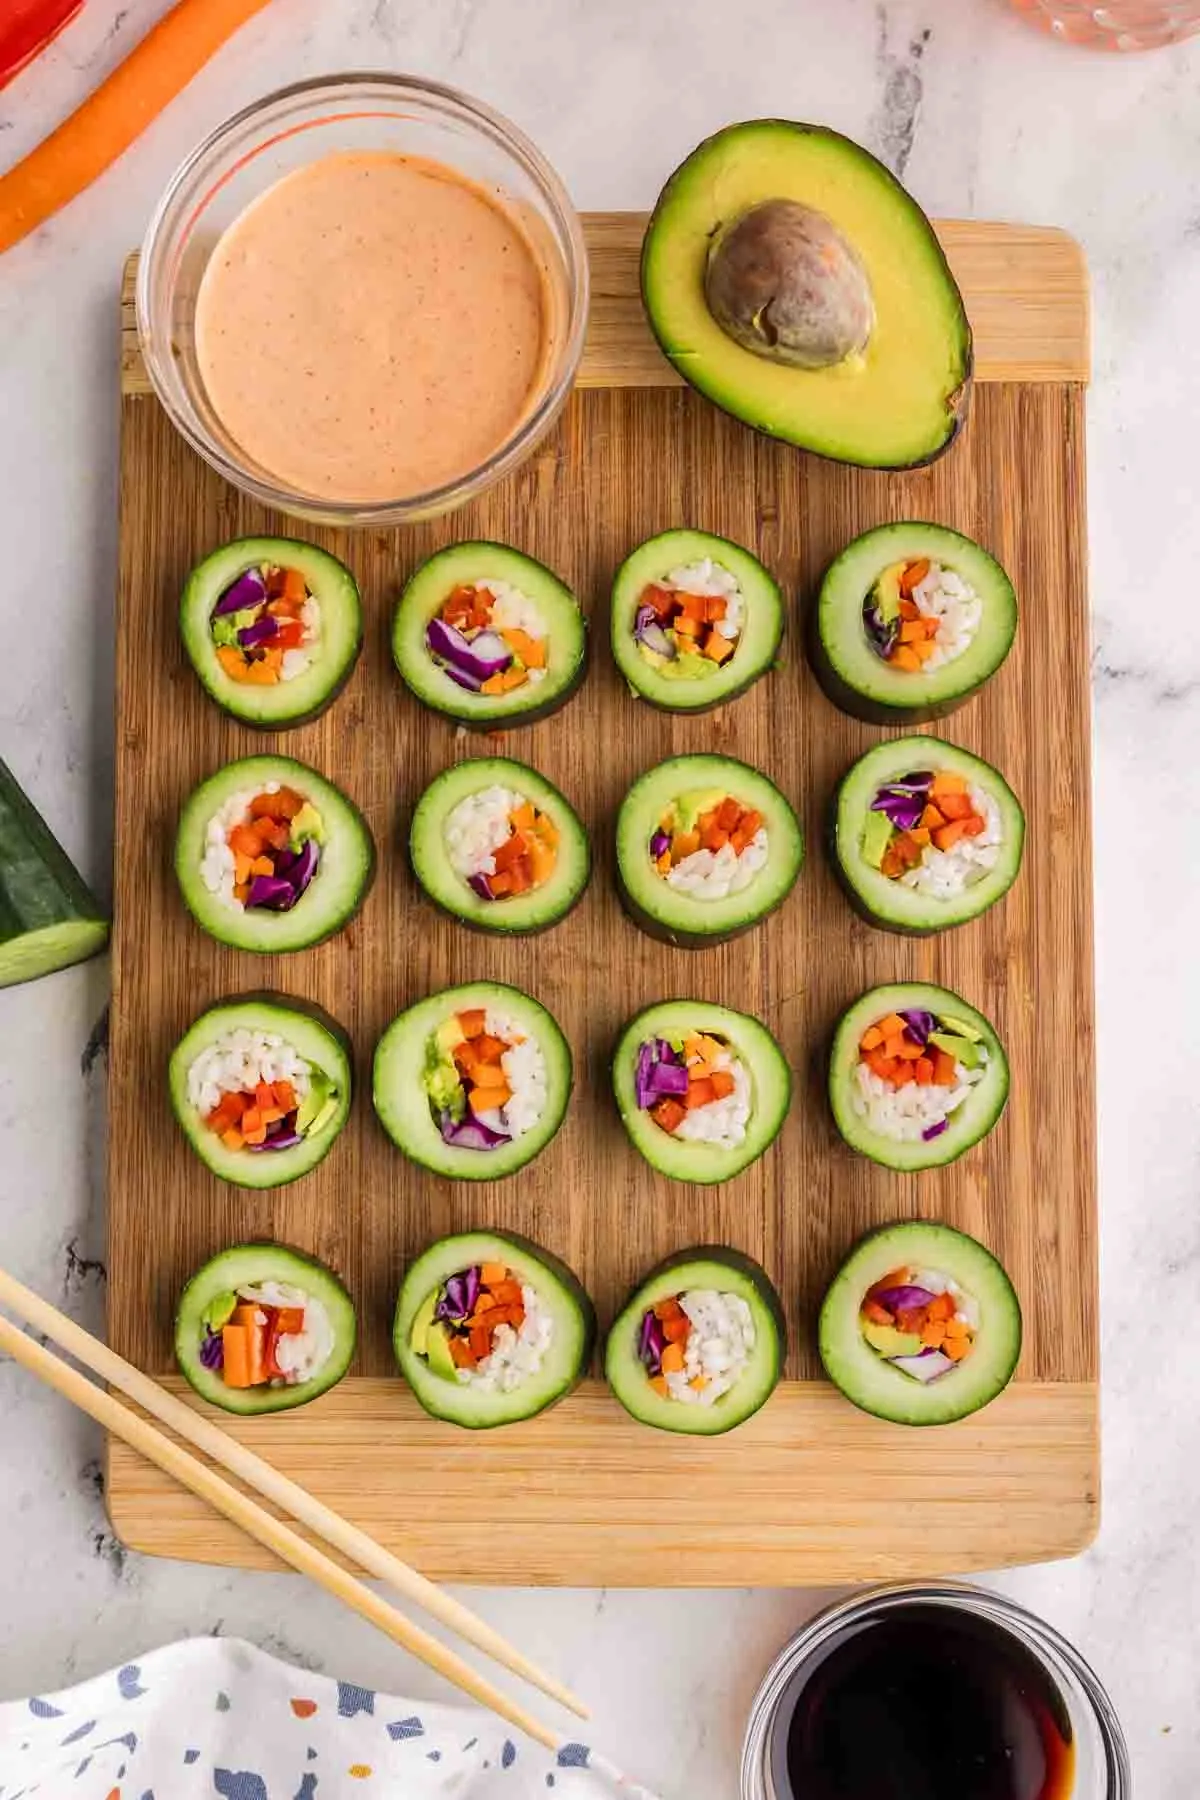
x=945, y=874
x=723, y=1122
x=953, y=602
x=524, y=1068
x=515, y=1355
x=715, y=874
x=235, y=1064
x=300, y=1354
x=512, y=610
x=902, y=1114
x=476, y=828
x=967, y=1310
x=296, y=662
x=716, y=582
x=719, y=1345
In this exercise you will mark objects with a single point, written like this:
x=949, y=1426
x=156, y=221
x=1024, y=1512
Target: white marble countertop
x=983, y=117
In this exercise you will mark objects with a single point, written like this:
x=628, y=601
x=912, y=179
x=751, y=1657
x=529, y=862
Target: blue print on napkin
x=352, y=1700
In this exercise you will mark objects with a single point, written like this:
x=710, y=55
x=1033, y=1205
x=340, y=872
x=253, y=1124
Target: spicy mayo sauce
x=372, y=326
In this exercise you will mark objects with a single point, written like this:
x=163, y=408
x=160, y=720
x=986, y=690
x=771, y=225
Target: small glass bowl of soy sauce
x=919, y=1692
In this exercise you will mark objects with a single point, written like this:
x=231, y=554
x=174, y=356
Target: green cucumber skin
x=272, y=727
x=873, y=712
x=40, y=887
x=857, y=904
x=687, y=940
x=505, y=722
x=745, y=1265
x=494, y=931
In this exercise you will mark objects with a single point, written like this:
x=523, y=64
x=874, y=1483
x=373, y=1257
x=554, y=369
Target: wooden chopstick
x=262, y=1526
x=320, y=1519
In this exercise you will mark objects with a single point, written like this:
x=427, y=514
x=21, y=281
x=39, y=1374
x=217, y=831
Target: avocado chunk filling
x=484, y=1079
x=707, y=844
x=920, y=1321
x=914, y=1070
x=687, y=625
x=262, y=851
x=266, y=626
x=695, y=1346
x=489, y=637
x=483, y=1328
x=258, y=1094
x=694, y=1088
x=934, y=832
x=500, y=844
x=919, y=616
x=267, y=1334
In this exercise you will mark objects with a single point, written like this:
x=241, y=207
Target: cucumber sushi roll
x=488, y=636
x=499, y=847
x=261, y=1087
x=695, y=620
x=489, y=1329
x=700, y=1344
x=473, y=1082
x=920, y=1325
x=916, y=1076
x=926, y=835
x=702, y=1091
x=270, y=856
x=272, y=627
x=706, y=847
x=911, y=620
x=260, y=1329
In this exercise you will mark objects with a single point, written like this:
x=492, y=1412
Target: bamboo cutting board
x=810, y=1490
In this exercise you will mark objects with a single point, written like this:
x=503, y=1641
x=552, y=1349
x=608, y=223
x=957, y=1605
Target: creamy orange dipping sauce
x=372, y=326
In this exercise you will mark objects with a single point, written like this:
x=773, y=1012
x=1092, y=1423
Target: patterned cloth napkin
x=215, y=1717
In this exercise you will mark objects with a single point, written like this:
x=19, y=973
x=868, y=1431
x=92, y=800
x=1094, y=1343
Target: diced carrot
x=251, y=1120
x=667, y=1309
x=525, y=816
x=892, y=1043
x=956, y=1329
x=461, y=1353
x=699, y=1093
x=688, y=626
x=232, y=1139
x=545, y=828
x=668, y=1113
x=531, y=650
x=973, y=826
x=294, y=586
x=493, y=685
x=947, y=784
x=892, y=1026
x=903, y=1074
x=542, y=860
x=948, y=835
x=693, y=606
x=912, y=1318
x=714, y=838
x=285, y=1095
x=511, y=850
x=287, y=610
x=235, y=1356
x=241, y=869
x=288, y=1319
x=521, y=876
x=659, y=1384
x=264, y=1095
x=728, y=813
x=676, y=1330
x=956, y=1348
x=480, y=1341
x=264, y=672
x=717, y=647
x=485, y=1099
x=880, y=1065
x=662, y=599
x=909, y=609
x=750, y=822
x=275, y=832
x=901, y=1277
x=918, y=836
x=488, y=1075
x=245, y=1314
x=924, y=648
x=722, y=1084
x=663, y=863
x=955, y=806
x=871, y=1039
x=244, y=840
x=932, y=819
x=506, y=1293
x=923, y=1071
x=903, y=657
x=226, y=1113
x=684, y=843
x=912, y=630
x=943, y=1069
x=932, y=1333
x=891, y=864
x=941, y=1307
x=500, y=884
x=908, y=852
x=241, y=891
x=262, y=865
x=290, y=636
x=672, y=1359
x=908, y=1051
x=878, y=1315
x=471, y=1023
x=232, y=661
x=914, y=575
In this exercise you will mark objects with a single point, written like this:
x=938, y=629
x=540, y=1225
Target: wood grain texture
x=1025, y=288
x=806, y=1492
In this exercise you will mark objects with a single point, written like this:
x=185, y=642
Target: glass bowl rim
x=1009, y=1614
x=568, y=228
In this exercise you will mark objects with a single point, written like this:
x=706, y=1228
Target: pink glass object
x=1124, y=25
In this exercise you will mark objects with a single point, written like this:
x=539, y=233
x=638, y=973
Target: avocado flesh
x=691, y=807
x=437, y=1349
x=891, y=1342
x=896, y=403
x=877, y=834
x=960, y=1048
x=419, y=1335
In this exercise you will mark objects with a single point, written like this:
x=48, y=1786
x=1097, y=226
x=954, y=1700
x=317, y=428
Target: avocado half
x=793, y=281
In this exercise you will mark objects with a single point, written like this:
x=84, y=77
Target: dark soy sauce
x=924, y=1703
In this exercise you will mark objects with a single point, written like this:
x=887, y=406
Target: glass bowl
x=295, y=126
x=1101, y=1759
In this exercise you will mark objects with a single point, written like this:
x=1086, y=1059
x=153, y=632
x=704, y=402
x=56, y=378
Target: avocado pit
x=784, y=282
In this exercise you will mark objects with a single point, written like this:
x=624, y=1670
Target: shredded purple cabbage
x=660, y=1071
x=261, y=631
x=286, y=1140
x=903, y=1299
x=248, y=590
x=469, y=660
x=659, y=843
x=932, y=1131
x=918, y=1024
x=459, y=1296
x=651, y=1342
x=881, y=633
x=481, y=886
x=212, y=1349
